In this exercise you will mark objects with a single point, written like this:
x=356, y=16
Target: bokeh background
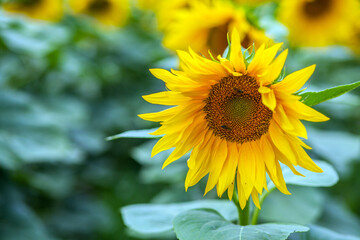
x=69, y=81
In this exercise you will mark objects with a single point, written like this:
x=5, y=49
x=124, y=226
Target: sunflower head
x=238, y=118
x=108, y=12
x=318, y=22
x=49, y=10
x=204, y=26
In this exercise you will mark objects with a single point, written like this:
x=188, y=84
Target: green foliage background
x=64, y=87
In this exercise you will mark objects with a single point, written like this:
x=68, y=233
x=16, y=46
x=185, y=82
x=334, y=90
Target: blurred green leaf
x=303, y=206
x=320, y=233
x=18, y=221
x=313, y=98
x=340, y=148
x=143, y=133
x=158, y=218
x=327, y=178
x=207, y=224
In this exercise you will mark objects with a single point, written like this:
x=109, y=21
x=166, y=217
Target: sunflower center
x=234, y=110
x=99, y=5
x=316, y=8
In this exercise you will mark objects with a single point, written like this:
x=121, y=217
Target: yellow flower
x=49, y=10
x=108, y=12
x=354, y=40
x=204, y=26
x=236, y=121
x=317, y=22
x=167, y=10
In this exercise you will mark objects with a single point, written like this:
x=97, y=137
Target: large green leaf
x=143, y=133
x=340, y=148
x=303, y=206
x=313, y=98
x=327, y=178
x=158, y=218
x=207, y=224
x=320, y=233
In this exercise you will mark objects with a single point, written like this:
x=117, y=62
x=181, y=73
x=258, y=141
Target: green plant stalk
x=243, y=214
x=256, y=213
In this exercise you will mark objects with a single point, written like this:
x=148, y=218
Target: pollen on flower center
x=316, y=8
x=98, y=5
x=234, y=110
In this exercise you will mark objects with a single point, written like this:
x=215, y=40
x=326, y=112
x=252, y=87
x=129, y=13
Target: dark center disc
x=234, y=110
x=317, y=8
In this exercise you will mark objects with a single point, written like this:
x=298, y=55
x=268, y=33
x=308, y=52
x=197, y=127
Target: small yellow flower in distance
x=204, y=26
x=237, y=121
x=108, y=12
x=49, y=10
x=318, y=22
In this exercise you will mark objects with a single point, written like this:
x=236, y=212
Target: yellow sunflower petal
x=295, y=80
x=219, y=159
x=236, y=56
x=166, y=98
x=269, y=99
x=247, y=168
x=227, y=174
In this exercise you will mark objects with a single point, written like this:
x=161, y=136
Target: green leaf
x=327, y=178
x=143, y=133
x=320, y=233
x=158, y=218
x=303, y=206
x=339, y=147
x=313, y=98
x=207, y=224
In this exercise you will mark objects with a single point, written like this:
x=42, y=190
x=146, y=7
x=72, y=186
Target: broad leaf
x=303, y=206
x=327, y=178
x=320, y=233
x=158, y=218
x=313, y=98
x=207, y=224
x=340, y=148
x=143, y=133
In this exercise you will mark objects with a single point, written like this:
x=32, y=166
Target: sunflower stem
x=243, y=214
x=256, y=213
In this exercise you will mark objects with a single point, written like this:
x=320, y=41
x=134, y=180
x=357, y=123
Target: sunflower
x=318, y=22
x=49, y=10
x=253, y=2
x=108, y=12
x=237, y=119
x=205, y=25
x=354, y=40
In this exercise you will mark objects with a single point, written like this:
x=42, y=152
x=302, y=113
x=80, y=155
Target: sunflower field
x=190, y=120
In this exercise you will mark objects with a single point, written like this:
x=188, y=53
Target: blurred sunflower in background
x=318, y=22
x=108, y=12
x=49, y=10
x=253, y=2
x=237, y=118
x=204, y=26
x=354, y=40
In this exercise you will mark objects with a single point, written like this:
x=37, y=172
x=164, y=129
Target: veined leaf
x=313, y=98
x=320, y=233
x=143, y=133
x=207, y=224
x=158, y=218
